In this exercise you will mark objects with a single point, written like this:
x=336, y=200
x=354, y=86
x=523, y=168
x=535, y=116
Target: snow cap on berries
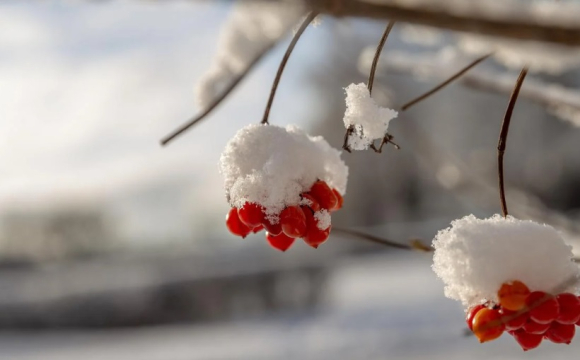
x=271, y=165
x=323, y=219
x=369, y=121
x=474, y=257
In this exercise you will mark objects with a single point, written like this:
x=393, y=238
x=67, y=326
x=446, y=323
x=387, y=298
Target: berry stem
x=501, y=146
x=293, y=43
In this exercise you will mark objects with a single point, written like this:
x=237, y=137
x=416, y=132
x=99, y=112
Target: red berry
x=273, y=229
x=251, y=214
x=527, y=341
x=544, y=308
x=314, y=236
x=512, y=295
x=561, y=333
x=569, y=308
x=339, y=200
x=532, y=327
x=257, y=229
x=471, y=314
x=280, y=242
x=235, y=226
x=323, y=193
x=293, y=222
x=513, y=322
x=314, y=205
x=487, y=325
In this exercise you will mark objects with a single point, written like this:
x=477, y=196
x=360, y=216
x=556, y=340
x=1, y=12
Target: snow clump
x=272, y=165
x=368, y=120
x=474, y=257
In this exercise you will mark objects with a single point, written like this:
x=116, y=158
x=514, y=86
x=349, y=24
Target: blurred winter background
x=112, y=247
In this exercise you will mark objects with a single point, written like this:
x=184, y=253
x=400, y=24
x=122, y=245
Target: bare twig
x=378, y=55
x=414, y=244
x=454, y=77
x=293, y=43
x=505, y=126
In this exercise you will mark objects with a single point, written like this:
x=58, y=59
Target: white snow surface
x=369, y=120
x=252, y=28
x=474, y=257
x=272, y=165
x=323, y=218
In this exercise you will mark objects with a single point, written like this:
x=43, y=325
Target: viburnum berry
x=314, y=236
x=513, y=322
x=273, y=229
x=293, y=222
x=339, y=200
x=512, y=295
x=324, y=194
x=234, y=225
x=560, y=333
x=526, y=340
x=314, y=205
x=257, y=229
x=544, y=308
x=280, y=242
x=532, y=327
x=569, y=308
x=487, y=325
x=471, y=314
x=251, y=214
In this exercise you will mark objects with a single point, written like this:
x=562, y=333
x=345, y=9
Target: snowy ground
x=380, y=307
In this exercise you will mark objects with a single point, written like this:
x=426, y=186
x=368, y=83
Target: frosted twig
x=387, y=138
x=526, y=23
x=293, y=43
x=505, y=126
x=218, y=100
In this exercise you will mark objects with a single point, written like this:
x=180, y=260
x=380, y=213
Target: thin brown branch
x=218, y=100
x=523, y=25
x=378, y=55
x=282, y=66
x=414, y=245
x=454, y=77
x=505, y=126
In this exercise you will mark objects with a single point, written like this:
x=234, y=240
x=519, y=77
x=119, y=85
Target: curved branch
x=505, y=126
x=414, y=245
x=282, y=66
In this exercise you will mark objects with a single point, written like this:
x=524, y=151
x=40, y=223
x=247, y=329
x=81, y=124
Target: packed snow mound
x=369, y=121
x=474, y=257
x=252, y=29
x=272, y=165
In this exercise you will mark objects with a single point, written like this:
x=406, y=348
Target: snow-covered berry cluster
x=511, y=275
x=528, y=316
x=284, y=181
x=310, y=220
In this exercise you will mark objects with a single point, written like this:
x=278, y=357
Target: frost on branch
x=540, y=57
x=474, y=257
x=252, y=28
x=271, y=166
x=368, y=120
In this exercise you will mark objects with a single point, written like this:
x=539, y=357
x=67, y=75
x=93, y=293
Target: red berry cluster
x=295, y=221
x=528, y=316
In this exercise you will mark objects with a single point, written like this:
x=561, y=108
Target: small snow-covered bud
x=368, y=120
x=271, y=166
x=474, y=257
